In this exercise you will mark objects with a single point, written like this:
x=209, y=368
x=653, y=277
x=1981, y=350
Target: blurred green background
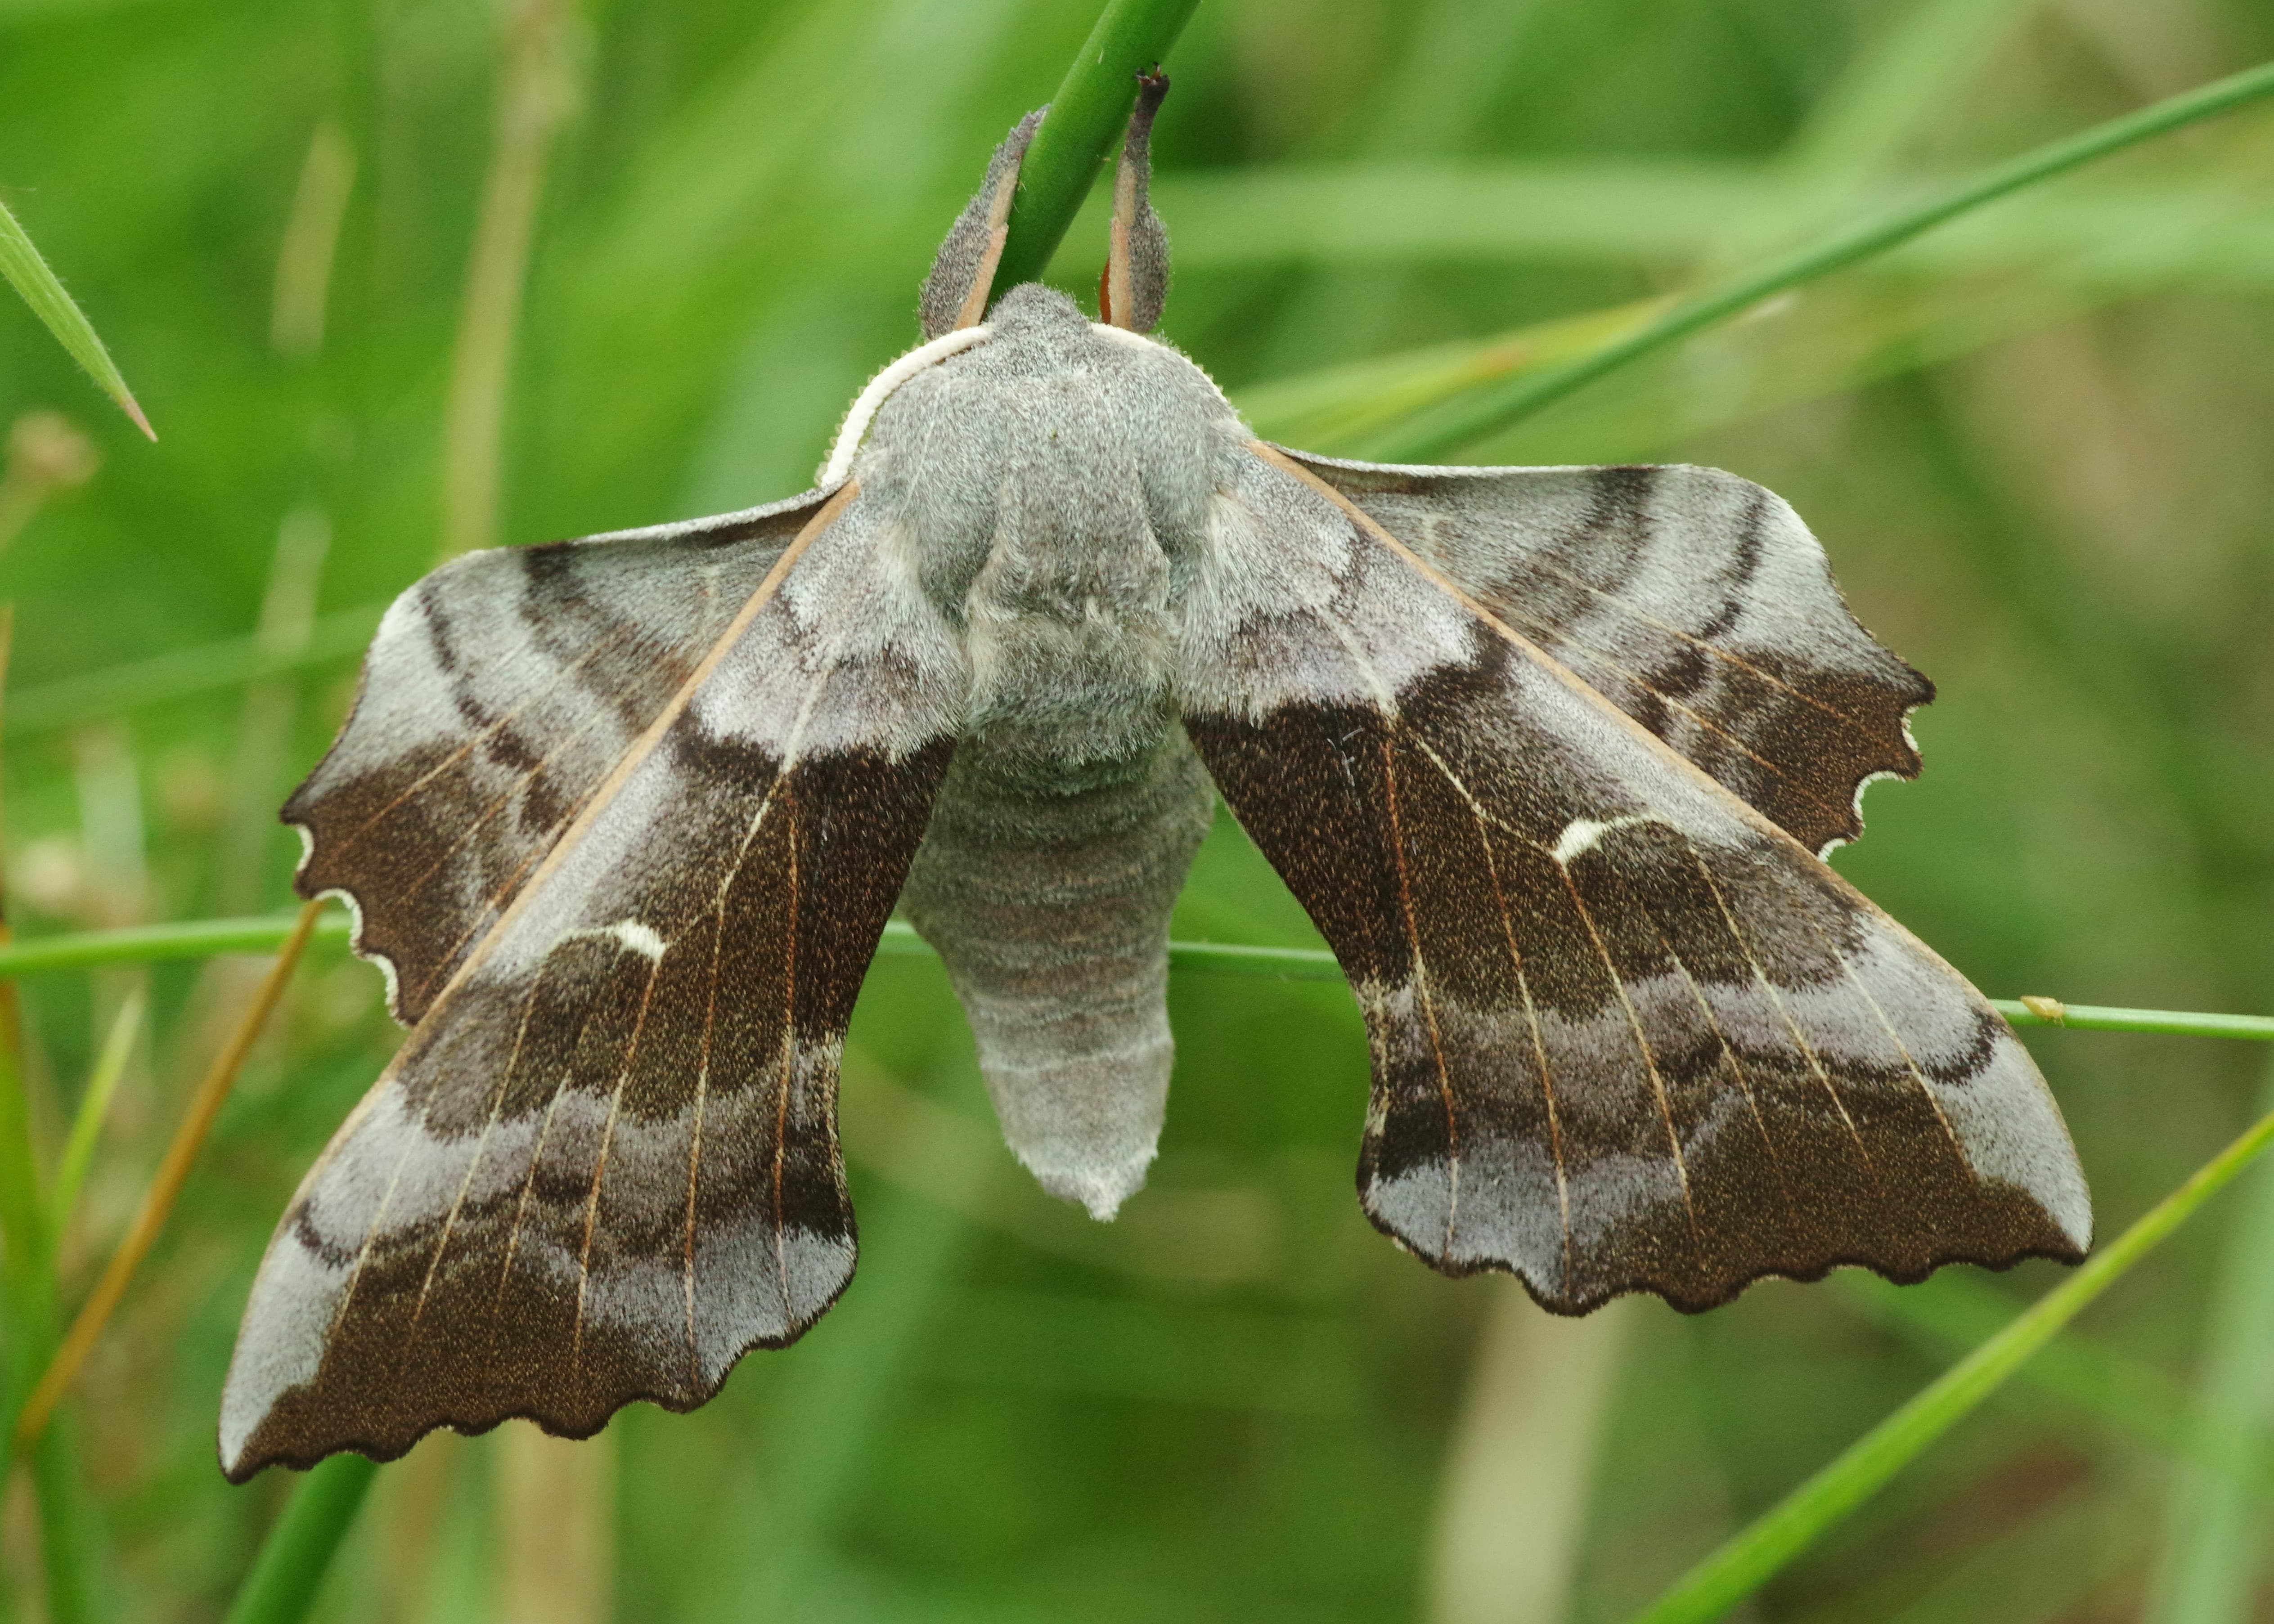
x=2036, y=444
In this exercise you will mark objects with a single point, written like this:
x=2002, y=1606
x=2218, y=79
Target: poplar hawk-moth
x=1550, y=755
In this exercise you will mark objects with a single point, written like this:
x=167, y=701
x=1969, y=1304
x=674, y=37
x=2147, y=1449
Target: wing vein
x=1642, y=1045
x=1784, y=1011
x=600, y=1161
x=1486, y=822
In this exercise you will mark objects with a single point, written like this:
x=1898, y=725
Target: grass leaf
x=2215, y=1527
x=28, y=274
x=165, y=1185
x=289, y=1570
x=1462, y=422
x=93, y=1109
x=231, y=663
x=202, y=938
x=1753, y=1556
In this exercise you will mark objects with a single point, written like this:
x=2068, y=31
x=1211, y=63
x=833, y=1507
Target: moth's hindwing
x=1695, y=601
x=1628, y=1034
x=496, y=697
x=605, y=1163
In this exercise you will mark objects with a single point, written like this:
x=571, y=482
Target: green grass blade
x=1291, y=963
x=1959, y=1309
x=2127, y=236
x=197, y=938
x=27, y=1273
x=67, y=1529
x=2106, y=1017
x=26, y=1266
x=228, y=663
x=1085, y=120
x=28, y=274
x=1459, y=422
x=93, y=1109
x=298, y=1550
x=2216, y=1526
x=1754, y=1555
x=1902, y=81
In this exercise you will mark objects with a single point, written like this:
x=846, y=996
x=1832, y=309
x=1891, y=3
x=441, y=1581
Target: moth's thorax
x=1053, y=484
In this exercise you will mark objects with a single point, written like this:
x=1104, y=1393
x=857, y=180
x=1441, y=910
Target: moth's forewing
x=497, y=694
x=1695, y=601
x=1628, y=1034
x=605, y=1163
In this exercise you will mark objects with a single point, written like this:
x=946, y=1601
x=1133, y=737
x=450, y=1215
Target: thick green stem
x=196, y=938
x=2216, y=1525
x=66, y=1525
x=1763, y=1548
x=1084, y=122
x=1435, y=433
x=298, y=1550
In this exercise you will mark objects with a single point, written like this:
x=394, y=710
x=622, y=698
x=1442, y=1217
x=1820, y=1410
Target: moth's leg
x=1135, y=284
x=963, y=272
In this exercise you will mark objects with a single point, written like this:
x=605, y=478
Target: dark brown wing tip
x=1720, y=1293
x=257, y=1458
x=297, y=1444
x=310, y=881
x=303, y=1445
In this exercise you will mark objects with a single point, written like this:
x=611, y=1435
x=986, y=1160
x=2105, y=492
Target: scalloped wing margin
x=1628, y=1035
x=605, y=1162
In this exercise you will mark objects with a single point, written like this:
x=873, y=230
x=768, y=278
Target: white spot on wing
x=1582, y=834
x=628, y=933
x=641, y=939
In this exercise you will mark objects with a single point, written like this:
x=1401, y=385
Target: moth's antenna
x=963, y=274
x=1135, y=282
x=998, y=231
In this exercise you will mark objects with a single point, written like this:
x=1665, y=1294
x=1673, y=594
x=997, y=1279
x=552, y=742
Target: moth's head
x=1134, y=283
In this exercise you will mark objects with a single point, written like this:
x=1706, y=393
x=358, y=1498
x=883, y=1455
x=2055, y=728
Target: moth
x=1550, y=755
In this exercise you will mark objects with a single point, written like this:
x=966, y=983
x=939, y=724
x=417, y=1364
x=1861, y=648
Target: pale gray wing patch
x=1695, y=601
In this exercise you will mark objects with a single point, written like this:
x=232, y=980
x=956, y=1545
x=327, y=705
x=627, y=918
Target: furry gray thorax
x=1061, y=483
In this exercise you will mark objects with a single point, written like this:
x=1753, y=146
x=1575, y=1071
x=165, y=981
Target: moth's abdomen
x=1051, y=911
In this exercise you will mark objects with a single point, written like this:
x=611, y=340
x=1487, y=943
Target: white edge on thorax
x=879, y=388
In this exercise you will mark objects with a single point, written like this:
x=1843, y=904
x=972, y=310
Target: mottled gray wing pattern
x=605, y=1163
x=1695, y=601
x=1627, y=1034
x=497, y=694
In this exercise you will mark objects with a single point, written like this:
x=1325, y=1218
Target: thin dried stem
x=312, y=241
x=166, y=1187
